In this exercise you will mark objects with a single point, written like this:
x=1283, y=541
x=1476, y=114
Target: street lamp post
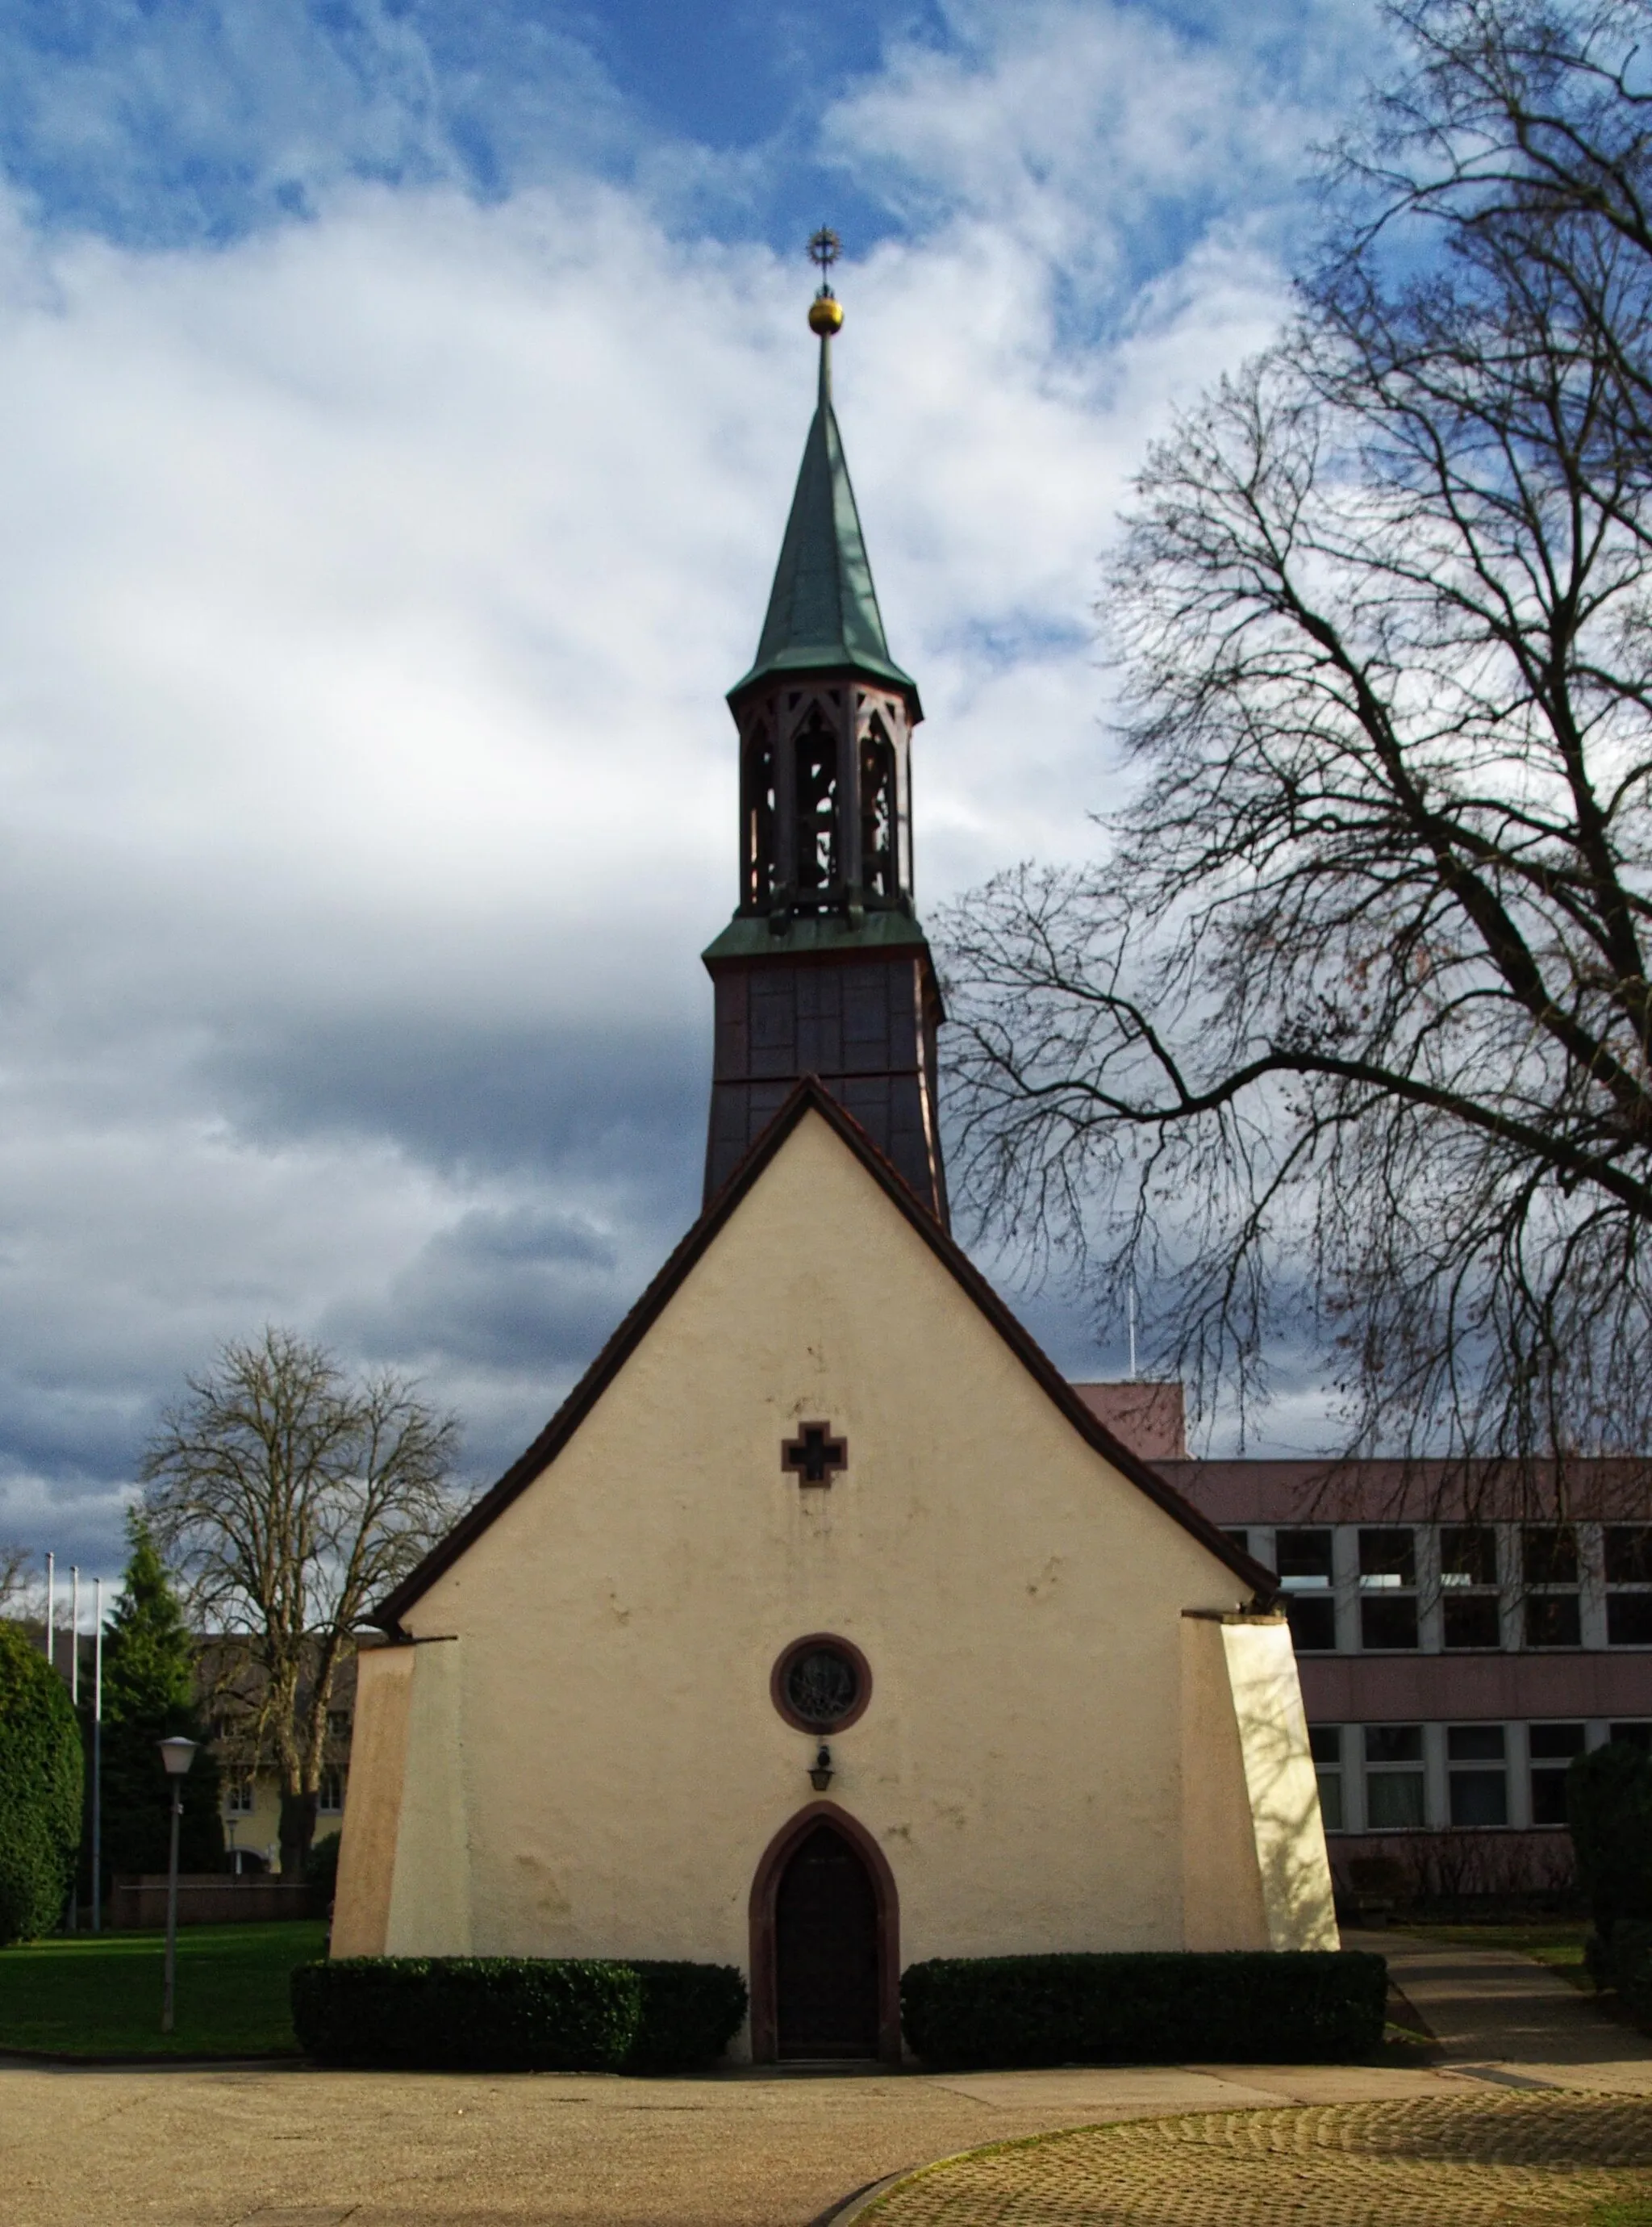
x=177, y=1754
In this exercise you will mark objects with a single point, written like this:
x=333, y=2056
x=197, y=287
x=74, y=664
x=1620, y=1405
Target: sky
x=399, y=405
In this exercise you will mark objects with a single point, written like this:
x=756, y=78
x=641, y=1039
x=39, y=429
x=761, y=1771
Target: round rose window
x=820, y=1684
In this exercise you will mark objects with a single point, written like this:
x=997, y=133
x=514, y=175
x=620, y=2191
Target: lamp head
x=177, y=1754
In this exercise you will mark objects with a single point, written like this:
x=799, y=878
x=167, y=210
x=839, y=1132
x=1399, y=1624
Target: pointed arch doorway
x=826, y=1954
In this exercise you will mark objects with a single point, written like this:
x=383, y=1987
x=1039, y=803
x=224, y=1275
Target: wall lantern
x=820, y=1770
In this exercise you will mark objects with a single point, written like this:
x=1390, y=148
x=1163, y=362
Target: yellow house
x=825, y=1628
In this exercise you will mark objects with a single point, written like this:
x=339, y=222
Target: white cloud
x=369, y=590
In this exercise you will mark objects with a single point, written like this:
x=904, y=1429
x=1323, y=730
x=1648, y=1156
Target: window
x=338, y=1724
x=820, y=1684
x=331, y=1796
x=1549, y=1554
x=1477, y=1777
x=1302, y=1561
x=1551, y=1748
x=1549, y=1568
x=1325, y=1746
x=1632, y=1735
x=1387, y=1589
x=1629, y=1584
x=238, y=1798
x=1394, y=1799
x=1468, y=1576
x=1240, y=1538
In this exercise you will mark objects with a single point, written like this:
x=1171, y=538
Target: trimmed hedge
x=1239, y=2007
x=516, y=2014
x=691, y=2013
x=1631, y=1968
x=481, y=2013
x=40, y=1773
x=1608, y=1804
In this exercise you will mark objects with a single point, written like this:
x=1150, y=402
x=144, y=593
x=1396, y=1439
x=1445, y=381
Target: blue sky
x=398, y=408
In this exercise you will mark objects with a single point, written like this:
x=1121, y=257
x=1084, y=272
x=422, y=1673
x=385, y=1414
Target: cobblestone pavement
x=1440, y=2160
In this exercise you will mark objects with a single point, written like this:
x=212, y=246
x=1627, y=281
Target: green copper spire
x=823, y=608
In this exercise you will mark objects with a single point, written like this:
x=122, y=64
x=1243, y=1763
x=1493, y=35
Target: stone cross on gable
x=814, y=1456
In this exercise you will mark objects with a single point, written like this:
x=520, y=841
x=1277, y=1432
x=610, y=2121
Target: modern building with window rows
x=1450, y=1670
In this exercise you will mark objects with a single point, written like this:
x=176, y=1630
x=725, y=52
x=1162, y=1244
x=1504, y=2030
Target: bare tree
x=1351, y=1029
x=16, y=1570
x=290, y=1499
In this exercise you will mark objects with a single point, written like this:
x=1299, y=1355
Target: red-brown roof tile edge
x=1331, y=1488
x=809, y=1095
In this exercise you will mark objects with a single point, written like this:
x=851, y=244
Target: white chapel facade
x=825, y=1628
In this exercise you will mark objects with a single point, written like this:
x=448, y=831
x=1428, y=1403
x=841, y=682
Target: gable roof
x=810, y=1096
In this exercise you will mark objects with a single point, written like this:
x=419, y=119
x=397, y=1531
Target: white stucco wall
x=597, y=1767
x=1255, y=1873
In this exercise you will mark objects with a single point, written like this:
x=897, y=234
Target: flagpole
x=97, y=1758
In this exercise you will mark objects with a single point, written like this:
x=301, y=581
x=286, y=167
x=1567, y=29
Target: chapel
x=825, y=1628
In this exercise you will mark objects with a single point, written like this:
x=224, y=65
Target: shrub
x=1631, y=1964
x=1608, y=1804
x=39, y=1789
x=690, y=2015
x=1597, y=1962
x=321, y=1866
x=453, y=2014
x=1240, y=2007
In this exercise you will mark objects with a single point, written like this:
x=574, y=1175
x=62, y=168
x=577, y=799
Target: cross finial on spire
x=824, y=248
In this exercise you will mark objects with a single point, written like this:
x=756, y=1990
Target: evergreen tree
x=149, y=1694
x=39, y=1789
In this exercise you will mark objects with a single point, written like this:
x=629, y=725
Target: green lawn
x=1557, y=1941
x=100, y=1994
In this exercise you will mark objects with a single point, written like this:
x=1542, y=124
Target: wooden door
x=825, y=1951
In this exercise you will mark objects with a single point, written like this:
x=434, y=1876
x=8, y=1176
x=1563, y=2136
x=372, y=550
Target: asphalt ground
x=220, y=2149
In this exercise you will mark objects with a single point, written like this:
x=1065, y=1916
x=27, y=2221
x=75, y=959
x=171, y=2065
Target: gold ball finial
x=826, y=312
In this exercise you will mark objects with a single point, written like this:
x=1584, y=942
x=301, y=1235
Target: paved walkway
x=1493, y=2008
x=314, y=2149
x=266, y=2148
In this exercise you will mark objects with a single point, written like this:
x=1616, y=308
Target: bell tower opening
x=815, y=786
x=758, y=869
x=879, y=871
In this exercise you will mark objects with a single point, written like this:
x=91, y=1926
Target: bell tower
x=824, y=969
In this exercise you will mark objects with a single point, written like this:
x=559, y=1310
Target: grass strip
x=100, y=1994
